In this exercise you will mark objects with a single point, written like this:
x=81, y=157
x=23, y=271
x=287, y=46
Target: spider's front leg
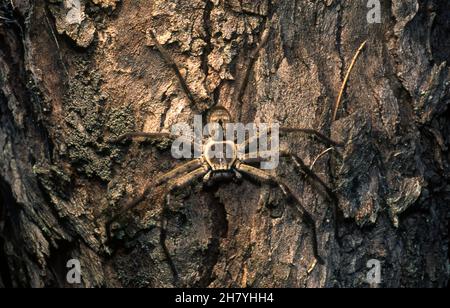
x=243, y=78
x=171, y=62
x=264, y=177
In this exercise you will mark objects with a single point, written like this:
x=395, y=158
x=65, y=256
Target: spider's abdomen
x=220, y=155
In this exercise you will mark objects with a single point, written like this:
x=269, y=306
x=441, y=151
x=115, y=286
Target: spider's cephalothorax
x=220, y=164
x=214, y=167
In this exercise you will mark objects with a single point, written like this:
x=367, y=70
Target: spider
x=211, y=169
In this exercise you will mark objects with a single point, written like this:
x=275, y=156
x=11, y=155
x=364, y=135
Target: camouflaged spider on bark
x=209, y=168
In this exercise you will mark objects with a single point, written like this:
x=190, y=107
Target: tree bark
x=74, y=76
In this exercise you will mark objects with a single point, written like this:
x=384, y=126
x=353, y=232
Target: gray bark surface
x=67, y=88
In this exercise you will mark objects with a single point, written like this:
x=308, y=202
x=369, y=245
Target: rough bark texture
x=66, y=89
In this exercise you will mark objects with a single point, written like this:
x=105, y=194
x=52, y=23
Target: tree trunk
x=75, y=74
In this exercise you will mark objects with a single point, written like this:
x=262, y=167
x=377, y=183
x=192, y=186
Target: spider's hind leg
x=180, y=172
x=301, y=166
x=175, y=183
x=264, y=177
x=318, y=183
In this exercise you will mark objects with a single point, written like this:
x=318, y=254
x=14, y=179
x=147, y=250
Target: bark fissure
x=219, y=232
x=339, y=24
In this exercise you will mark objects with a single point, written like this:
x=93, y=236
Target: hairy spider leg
x=266, y=178
x=157, y=137
x=288, y=130
x=242, y=80
x=172, y=185
x=311, y=176
x=195, y=164
x=301, y=166
x=171, y=62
